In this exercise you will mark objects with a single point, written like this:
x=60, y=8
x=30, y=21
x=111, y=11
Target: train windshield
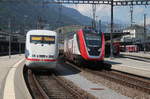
x=39, y=39
x=92, y=39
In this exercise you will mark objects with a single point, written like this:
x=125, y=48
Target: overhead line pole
x=100, y=26
x=59, y=21
x=131, y=11
x=9, y=27
x=111, y=34
x=144, y=33
x=94, y=16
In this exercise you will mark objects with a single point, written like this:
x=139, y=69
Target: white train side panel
x=71, y=47
x=75, y=45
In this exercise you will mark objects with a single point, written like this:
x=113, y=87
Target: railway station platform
x=135, y=54
x=132, y=66
x=12, y=85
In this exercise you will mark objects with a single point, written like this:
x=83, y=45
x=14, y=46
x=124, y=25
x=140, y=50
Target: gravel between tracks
x=130, y=92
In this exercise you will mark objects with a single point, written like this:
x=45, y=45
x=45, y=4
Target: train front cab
x=41, y=50
x=92, y=45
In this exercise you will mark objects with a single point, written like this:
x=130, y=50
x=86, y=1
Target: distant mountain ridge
x=25, y=15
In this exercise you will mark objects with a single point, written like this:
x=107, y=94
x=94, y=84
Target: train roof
x=41, y=32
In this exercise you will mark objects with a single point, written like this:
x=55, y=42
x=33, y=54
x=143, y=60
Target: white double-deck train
x=86, y=45
x=41, y=49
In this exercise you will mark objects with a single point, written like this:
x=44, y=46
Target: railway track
x=47, y=85
x=128, y=80
x=144, y=59
x=125, y=79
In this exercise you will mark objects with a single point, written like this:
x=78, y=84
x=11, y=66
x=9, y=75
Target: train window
x=93, y=40
x=39, y=39
x=93, y=43
x=35, y=38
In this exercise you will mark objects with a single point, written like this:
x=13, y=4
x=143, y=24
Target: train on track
x=41, y=49
x=85, y=46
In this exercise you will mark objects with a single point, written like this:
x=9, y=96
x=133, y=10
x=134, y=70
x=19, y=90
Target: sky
x=121, y=14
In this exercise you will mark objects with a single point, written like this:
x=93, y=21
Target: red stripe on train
x=82, y=45
x=103, y=47
x=47, y=60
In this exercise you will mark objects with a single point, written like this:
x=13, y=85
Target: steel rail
x=34, y=85
x=38, y=91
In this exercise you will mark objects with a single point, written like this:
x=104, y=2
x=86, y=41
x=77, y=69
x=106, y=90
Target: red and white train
x=85, y=45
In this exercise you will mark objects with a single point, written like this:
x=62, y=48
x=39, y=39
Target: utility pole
x=111, y=34
x=59, y=21
x=9, y=27
x=20, y=46
x=144, y=33
x=100, y=25
x=131, y=11
x=94, y=16
x=97, y=24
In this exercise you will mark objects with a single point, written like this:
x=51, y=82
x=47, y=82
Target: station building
x=137, y=37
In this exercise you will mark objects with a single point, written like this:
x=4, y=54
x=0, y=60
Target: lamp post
x=9, y=27
x=111, y=34
x=144, y=33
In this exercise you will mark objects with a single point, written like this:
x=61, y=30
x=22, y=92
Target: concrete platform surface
x=130, y=66
x=8, y=68
x=21, y=91
x=86, y=85
x=139, y=54
x=5, y=65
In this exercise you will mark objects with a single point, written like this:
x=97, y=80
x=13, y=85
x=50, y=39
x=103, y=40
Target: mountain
x=28, y=15
x=84, y=20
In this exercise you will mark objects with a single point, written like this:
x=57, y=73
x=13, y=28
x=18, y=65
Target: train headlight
x=99, y=49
